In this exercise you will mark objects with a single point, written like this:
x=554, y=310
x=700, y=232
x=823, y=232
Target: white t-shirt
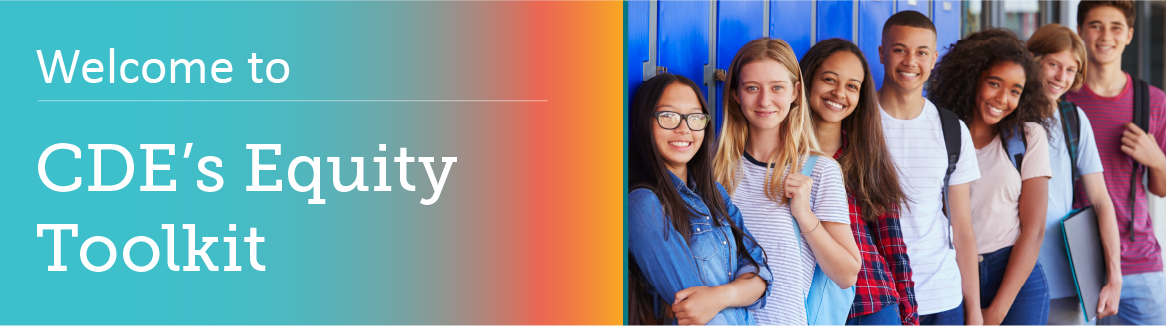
x=918, y=150
x=771, y=224
x=1053, y=257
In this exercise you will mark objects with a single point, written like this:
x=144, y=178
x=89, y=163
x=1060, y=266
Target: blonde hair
x=1053, y=38
x=797, y=130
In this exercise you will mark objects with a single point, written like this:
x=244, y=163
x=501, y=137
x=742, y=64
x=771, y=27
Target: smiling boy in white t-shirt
x=943, y=255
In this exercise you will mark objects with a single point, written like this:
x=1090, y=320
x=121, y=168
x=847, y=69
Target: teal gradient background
x=519, y=234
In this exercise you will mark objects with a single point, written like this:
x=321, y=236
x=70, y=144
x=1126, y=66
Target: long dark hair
x=646, y=169
x=956, y=80
x=871, y=175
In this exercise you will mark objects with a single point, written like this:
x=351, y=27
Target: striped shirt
x=789, y=256
x=918, y=150
x=1108, y=116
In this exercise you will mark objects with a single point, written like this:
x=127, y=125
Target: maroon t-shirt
x=1109, y=116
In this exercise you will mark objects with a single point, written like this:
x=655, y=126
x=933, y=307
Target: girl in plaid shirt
x=841, y=94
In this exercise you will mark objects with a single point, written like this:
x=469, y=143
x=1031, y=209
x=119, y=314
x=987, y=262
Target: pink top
x=995, y=198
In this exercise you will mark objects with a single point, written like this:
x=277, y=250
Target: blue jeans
x=1031, y=306
x=889, y=315
x=955, y=316
x=1143, y=299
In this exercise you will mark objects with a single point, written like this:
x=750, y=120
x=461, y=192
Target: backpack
x=1142, y=120
x=1071, y=126
x=950, y=123
x=1015, y=145
x=826, y=304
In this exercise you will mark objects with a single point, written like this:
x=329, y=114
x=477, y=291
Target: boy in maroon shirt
x=1107, y=98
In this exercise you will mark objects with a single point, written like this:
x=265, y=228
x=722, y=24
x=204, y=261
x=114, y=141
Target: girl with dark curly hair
x=994, y=84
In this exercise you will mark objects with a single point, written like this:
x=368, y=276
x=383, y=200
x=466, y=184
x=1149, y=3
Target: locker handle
x=719, y=75
x=652, y=70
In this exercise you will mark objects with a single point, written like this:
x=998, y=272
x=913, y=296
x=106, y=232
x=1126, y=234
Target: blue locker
x=835, y=19
x=871, y=17
x=946, y=15
x=637, y=43
x=683, y=42
x=916, y=5
x=790, y=21
x=738, y=22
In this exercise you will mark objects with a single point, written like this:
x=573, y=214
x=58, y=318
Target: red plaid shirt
x=881, y=285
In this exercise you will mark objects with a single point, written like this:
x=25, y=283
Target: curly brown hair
x=957, y=76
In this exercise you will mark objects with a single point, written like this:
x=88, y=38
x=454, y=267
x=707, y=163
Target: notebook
x=1086, y=257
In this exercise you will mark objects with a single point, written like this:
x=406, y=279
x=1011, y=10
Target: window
x=973, y=17
x=1021, y=17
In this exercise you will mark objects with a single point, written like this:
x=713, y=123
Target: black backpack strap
x=951, y=139
x=1071, y=127
x=1142, y=120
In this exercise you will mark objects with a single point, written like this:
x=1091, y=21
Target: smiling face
x=834, y=91
x=998, y=92
x=1106, y=34
x=677, y=146
x=765, y=93
x=907, y=54
x=1060, y=70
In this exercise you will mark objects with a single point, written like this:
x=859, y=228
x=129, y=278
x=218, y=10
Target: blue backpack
x=826, y=304
x=1016, y=146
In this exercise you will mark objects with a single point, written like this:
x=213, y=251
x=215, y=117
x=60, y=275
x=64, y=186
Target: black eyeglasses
x=671, y=120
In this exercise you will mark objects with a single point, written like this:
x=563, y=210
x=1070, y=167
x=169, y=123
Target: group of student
x=942, y=209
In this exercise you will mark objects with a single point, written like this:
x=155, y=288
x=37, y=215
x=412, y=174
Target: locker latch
x=651, y=70
x=709, y=79
x=648, y=72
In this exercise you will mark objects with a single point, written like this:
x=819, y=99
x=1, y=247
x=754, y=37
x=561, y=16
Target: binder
x=1086, y=257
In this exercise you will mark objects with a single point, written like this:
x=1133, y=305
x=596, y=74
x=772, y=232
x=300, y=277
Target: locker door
x=871, y=17
x=638, y=17
x=835, y=19
x=946, y=15
x=683, y=42
x=738, y=22
x=916, y=5
x=792, y=22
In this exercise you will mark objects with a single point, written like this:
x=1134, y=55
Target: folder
x=1086, y=257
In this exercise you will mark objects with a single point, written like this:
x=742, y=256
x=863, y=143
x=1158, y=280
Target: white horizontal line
x=439, y=101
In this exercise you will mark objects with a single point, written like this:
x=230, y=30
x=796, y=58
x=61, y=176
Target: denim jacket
x=672, y=264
